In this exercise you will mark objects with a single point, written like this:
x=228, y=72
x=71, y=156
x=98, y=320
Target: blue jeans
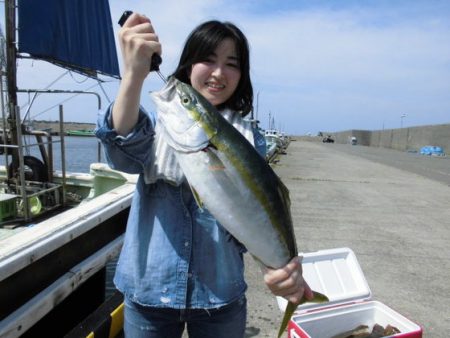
x=150, y=322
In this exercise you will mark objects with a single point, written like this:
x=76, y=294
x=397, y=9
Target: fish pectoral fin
x=197, y=198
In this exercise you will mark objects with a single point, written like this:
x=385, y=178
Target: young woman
x=178, y=266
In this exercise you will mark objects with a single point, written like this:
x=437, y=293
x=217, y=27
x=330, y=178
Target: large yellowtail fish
x=231, y=179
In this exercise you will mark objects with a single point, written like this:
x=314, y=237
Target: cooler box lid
x=335, y=273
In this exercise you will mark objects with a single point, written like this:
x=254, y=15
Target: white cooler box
x=337, y=274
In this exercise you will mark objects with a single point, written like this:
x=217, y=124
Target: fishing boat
x=82, y=132
x=271, y=150
x=58, y=229
x=276, y=143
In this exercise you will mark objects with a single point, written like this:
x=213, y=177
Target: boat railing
x=37, y=194
x=58, y=91
x=17, y=182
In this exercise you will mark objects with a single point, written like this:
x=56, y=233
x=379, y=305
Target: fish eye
x=185, y=100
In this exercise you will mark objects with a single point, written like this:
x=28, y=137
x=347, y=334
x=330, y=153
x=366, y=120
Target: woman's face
x=218, y=76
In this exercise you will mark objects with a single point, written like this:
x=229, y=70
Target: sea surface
x=80, y=152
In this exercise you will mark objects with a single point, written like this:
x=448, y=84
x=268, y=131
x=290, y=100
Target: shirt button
x=186, y=243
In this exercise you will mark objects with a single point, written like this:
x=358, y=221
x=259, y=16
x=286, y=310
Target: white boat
x=277, y=143
x=58, y=230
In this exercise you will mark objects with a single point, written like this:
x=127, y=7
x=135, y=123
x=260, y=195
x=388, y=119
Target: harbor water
x=80, y=152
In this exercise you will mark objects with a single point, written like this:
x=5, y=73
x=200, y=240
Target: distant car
x=328, y=139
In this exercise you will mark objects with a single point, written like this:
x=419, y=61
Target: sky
x=315, y=65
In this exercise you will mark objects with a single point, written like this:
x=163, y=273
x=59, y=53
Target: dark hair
x=202, y=42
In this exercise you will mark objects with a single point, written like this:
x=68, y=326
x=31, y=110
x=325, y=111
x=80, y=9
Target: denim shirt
x=174, y=254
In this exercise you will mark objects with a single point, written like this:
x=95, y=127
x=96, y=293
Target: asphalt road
x=391, y=208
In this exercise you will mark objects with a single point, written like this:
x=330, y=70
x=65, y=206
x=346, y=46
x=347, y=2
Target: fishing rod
x=156, y=58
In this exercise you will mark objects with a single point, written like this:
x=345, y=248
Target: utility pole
x=401, y=120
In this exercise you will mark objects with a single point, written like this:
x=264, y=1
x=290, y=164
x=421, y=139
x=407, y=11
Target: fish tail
x=291, y=307
x=317, y=298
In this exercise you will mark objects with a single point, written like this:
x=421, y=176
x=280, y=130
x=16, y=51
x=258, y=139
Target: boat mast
x=10, y=23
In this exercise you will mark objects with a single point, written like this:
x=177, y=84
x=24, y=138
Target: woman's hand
x=138, y=42
x=288, y=281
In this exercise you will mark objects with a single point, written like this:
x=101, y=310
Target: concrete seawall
x=412, y=138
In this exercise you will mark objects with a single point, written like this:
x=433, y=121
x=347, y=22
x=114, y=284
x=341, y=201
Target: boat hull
x=44, y=266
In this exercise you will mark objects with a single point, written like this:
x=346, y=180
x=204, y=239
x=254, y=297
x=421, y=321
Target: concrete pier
x=391, y=208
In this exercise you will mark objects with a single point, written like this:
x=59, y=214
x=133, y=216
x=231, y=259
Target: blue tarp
x=432, y=150
x=75, y=34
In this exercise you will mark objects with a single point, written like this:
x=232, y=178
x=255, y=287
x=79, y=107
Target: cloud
x=336, y=66
x=319, y=65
